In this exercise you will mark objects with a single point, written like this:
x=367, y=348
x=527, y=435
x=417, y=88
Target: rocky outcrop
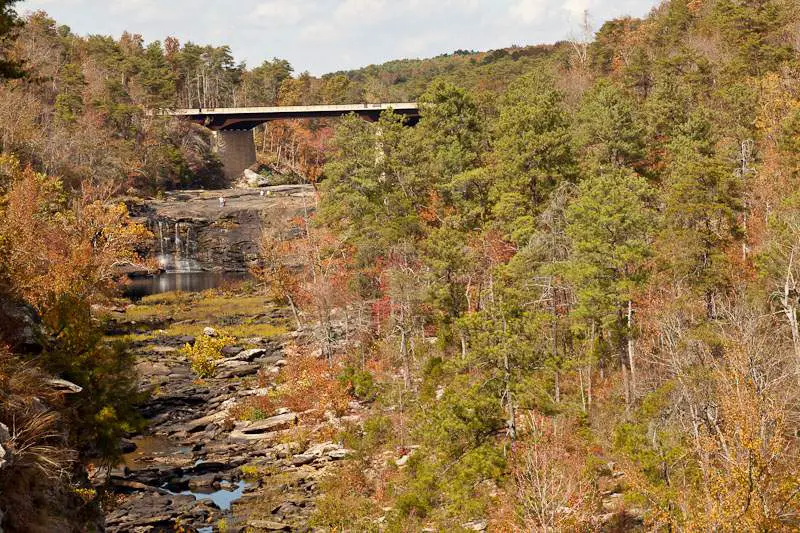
x=195, y=230
x=19, y=326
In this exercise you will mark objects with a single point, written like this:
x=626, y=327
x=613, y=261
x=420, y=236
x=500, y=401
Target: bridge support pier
x=236, y=149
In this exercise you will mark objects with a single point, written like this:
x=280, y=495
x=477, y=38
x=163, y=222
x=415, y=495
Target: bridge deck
x=245, y=118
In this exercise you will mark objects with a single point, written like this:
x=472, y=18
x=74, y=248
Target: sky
x=323, y=36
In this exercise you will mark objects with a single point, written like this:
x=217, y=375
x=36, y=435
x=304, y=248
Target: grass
x=186, y=314
x=243, y=331
x=168, y=298
x=239, y=331
x=197, y=307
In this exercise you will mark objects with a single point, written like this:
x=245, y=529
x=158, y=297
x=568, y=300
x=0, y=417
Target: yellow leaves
x=744, y=450
x=777, y=102
x=206, y=353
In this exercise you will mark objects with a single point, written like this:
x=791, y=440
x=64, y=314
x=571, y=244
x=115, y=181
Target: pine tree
x=533, y=153
x=8, y=22
x=156, y=77
x=610, y=225
x=449, y=136
x=609, y=130
x=702, y=201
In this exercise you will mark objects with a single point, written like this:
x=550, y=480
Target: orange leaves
x=492, y=248
x=53, y=250
x=310, y=386
x=695, y=6
x=436, y=209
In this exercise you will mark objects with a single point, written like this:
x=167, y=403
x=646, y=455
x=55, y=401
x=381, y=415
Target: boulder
x=268, y=525
x=200, y=423
x=5, y=457
x=237, y=369
x=231, y=351
x=205, y=482
x=339, y=454
x=249, y=355
x=255, y=179
x=476, y=525
x=318, y=450
x=303, y=459
x=19, y=325
x=127, y=446
x=272, y=423
x=210, y=332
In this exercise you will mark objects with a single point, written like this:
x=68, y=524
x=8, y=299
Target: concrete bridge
x=233, y=126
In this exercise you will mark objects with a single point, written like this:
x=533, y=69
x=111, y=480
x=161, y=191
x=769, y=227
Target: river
x=138, y=288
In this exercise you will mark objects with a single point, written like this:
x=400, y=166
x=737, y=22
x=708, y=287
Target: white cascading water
x=177, y=239
x=188, y=241
x=161, y=237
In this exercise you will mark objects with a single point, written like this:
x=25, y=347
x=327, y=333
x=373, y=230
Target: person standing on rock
x=222, y=201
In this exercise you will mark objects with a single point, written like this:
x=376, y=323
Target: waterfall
x=161, y=236
x=177, y=239
x=188, y=241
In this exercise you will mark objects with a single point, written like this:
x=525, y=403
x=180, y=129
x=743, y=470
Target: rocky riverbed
x=198, y=467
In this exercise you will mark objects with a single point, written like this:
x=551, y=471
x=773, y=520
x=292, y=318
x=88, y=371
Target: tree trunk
x=557, y=386
x=630, y=347
x=404, y=354
x=294, y=312
x=589, y=387
x=511, y=424
x=790, y=310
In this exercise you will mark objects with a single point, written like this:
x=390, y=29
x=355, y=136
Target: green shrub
x=377, y=431
x=359, y=383
x=105, y=410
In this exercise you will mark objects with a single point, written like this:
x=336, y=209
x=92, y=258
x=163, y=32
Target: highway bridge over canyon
x=233, y=126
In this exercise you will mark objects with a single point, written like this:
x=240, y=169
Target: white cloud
x=281, y=12
x=365, y=10
x=528, y=11
x=320, y=32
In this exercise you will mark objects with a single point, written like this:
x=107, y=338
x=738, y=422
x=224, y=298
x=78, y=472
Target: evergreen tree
x=157, y=78
x=608, y=128
x=69, y=102
x=702, y=201
x=610, y=226
x=449, y=135
x=8, y=22
x=533, y=153
x=378, y=194
x=751, y=30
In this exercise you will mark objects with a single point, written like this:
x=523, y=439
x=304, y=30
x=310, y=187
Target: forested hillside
x=582, y=295
x=567, y=299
